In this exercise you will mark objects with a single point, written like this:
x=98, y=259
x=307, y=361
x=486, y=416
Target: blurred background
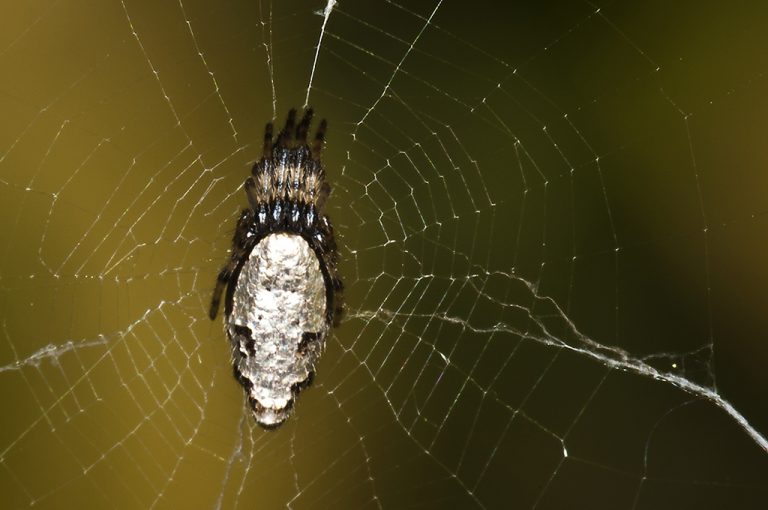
x=552, y=224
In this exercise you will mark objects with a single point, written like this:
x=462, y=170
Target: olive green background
x=515, y=184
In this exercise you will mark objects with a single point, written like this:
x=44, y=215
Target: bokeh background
x=552, y=220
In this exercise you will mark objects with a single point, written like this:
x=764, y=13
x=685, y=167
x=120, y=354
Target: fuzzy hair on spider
x=283, y=291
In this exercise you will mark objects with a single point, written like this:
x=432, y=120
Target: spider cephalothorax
x=283, y=290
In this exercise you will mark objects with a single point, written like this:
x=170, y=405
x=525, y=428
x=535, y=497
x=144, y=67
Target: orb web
x=549, y=221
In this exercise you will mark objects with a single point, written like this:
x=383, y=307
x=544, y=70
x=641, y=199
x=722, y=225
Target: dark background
x=552, y=220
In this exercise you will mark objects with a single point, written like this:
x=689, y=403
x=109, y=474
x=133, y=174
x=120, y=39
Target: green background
x=551, y=218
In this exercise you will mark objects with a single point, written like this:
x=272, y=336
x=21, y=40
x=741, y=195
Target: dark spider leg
x=238, y=250
x=221, y=283
x=322, y=196
x=267, y=153
x=338, y=301
x=326, y=250
x=287, y=132
x=252, y=193
x=338, y=295
x=303, y=127
x=317, y=145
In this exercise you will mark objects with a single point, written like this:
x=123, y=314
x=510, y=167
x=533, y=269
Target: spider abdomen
x=279, y=302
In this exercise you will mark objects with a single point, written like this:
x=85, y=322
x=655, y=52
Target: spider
x=284, y=292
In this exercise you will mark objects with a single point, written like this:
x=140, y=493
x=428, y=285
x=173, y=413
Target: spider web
x=551, y=223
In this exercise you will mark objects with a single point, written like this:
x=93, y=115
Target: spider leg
x=252, y=193
x=330, y=258
x=267, y=154
x=239, y=241
x=338, y=298
x=322, y=196
x=303, y=127
x=287, y=132
x=221, y=283
x=317, y=145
